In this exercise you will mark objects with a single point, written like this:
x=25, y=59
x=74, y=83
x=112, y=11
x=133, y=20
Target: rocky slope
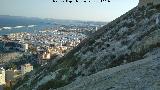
x=139, y=75
x=127, y=39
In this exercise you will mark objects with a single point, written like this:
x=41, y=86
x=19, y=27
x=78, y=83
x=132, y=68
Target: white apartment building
x=25, y=46
x=26, y=68
x=2, y=76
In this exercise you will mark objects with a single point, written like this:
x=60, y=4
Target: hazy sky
x=95, y=11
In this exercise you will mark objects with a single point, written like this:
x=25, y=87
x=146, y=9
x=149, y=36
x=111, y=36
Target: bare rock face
x=145, y=2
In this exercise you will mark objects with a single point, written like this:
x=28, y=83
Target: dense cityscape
x=39, y=49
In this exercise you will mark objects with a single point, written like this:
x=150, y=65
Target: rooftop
x=27, y=65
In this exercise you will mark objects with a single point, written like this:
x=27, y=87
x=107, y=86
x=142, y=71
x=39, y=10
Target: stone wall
x=145, y=2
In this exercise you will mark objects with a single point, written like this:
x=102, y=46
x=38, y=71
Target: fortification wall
x=145, y=2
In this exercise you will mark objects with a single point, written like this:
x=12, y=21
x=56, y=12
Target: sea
x=29, y=29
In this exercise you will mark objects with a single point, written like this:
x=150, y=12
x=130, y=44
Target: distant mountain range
x=6, y=20
x=12, y=21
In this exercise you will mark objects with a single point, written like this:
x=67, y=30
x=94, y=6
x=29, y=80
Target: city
x=45, y=45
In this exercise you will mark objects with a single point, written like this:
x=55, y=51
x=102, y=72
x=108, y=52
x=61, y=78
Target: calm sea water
x=34, y=29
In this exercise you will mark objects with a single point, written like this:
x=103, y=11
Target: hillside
x=127, y=40
x=139, y=75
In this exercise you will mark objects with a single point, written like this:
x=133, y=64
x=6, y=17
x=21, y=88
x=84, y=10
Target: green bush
x=52, y=84
x=68, y=62
x=91, y=41
x=158, y=7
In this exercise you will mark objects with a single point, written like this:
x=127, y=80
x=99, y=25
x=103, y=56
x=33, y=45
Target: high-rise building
x=25, y=46
x=9, y=75
x=2, y=76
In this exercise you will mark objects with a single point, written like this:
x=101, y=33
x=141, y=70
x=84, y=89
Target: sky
x=93, y=11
